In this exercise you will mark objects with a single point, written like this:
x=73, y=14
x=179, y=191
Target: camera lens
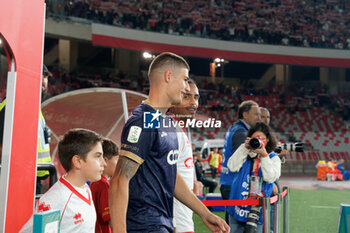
x=255, y=143
x=253, y=219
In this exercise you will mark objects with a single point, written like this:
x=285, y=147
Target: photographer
x=255, y=167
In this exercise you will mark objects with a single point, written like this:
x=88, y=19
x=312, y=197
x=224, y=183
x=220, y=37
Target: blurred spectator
x=340, y=166
x=318, y=23
x=333, y=172
x=214, y=161
x=211, y=184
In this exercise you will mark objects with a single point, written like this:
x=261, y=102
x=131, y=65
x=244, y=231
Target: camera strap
x=255, y=182
x=256, y=166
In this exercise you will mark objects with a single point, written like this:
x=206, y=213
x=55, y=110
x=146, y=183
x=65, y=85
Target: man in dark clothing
x=211, y=184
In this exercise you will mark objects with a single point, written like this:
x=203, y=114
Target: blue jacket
x=240, y=190
x=234, y=137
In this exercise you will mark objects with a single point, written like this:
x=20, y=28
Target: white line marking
x=325, y=207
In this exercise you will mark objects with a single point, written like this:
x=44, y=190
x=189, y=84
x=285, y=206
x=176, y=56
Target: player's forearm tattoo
x=126, y=167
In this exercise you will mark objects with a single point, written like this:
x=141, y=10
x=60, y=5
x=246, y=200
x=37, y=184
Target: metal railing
x=265, y=202
x=276, y=200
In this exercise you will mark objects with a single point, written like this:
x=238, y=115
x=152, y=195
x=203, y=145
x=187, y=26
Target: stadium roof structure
x=104, y=110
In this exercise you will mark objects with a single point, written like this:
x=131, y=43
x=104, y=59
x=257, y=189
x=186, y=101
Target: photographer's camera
x=255, y=143
x=297, y=147
x=253, y=219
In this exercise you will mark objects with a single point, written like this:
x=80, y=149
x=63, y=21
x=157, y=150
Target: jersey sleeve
x=136, y=142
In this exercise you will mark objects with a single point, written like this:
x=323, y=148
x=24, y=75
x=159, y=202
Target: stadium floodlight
x=219, y=62
x=147, y=55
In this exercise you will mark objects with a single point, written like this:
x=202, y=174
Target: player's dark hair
x=245, y=106
x=262, y=127
x=169, y=59
x=110, y=149
x=191, y=81
x=76, y=142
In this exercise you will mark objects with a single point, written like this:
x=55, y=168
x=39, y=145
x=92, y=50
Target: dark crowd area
x=308, y=23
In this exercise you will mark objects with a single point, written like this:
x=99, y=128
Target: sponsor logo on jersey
x=134, y=134
x=78, y=218
x=172, y=157
x=44, y=207
x=188, y=162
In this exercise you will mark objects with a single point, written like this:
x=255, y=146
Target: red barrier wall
x=22, y=25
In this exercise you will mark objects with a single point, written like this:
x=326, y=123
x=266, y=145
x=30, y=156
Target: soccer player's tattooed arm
x=126, y=167
x=119, y=192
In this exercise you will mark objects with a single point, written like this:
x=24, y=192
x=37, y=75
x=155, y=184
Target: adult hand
x=261, y=151
x=284, y=153
x=215, y=223
x=275, y=189
x=197, y=187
